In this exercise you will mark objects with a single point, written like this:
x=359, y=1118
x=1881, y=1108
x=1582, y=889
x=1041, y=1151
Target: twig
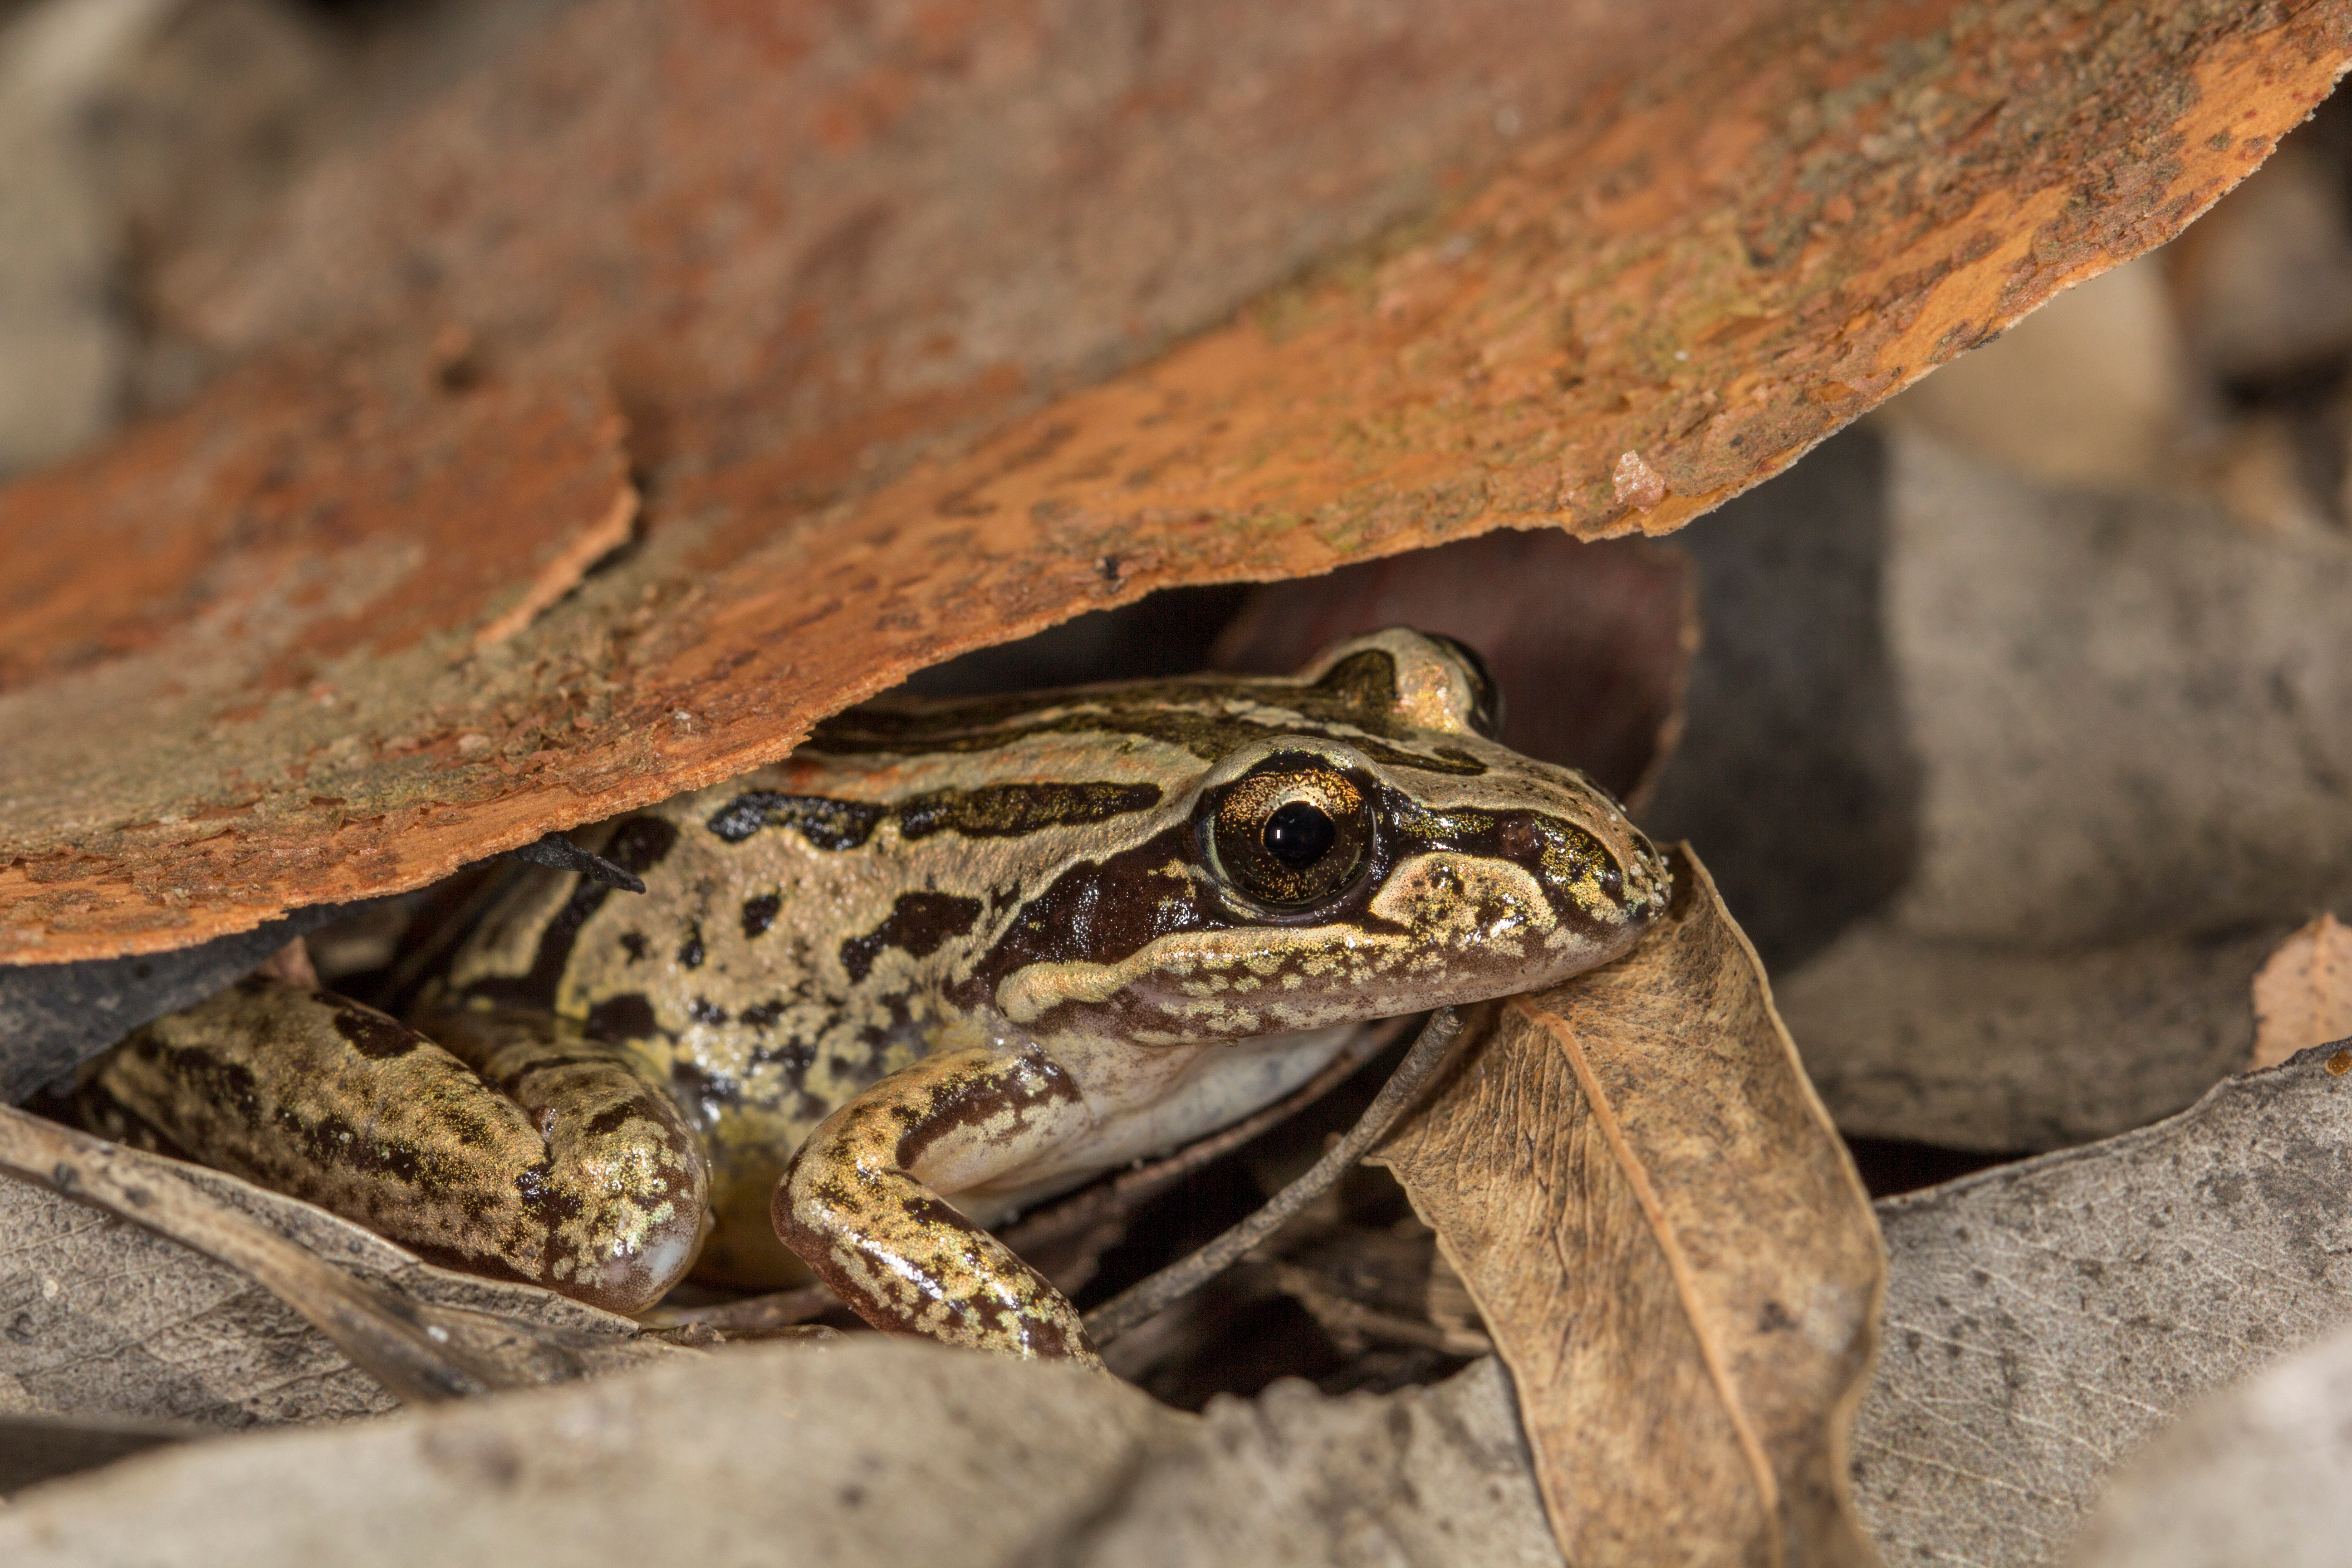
x=1102, y=1201
x=1180, y=1279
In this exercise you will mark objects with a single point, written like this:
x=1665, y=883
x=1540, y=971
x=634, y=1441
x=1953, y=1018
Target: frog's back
x=804, y=927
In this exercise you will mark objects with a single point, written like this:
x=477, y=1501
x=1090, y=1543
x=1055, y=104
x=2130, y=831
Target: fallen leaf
x=870, y=1450
x=739, y=225
x=2303, y=992
x=2260, y=1474
x=1670, y=1248
x=2044, y=1319
x=2007, y=1049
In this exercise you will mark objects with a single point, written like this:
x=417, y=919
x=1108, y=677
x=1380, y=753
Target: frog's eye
x=1290, y=834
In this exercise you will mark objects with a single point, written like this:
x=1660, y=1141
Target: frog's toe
x=641, y=1255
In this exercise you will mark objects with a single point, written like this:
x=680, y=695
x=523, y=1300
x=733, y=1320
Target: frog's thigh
x=860, y=1202
x=580, y=1177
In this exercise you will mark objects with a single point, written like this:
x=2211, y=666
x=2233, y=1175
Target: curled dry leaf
x=2303, y=992
x=2045, y=1319
x=1670, y=1249
x=1727, y=233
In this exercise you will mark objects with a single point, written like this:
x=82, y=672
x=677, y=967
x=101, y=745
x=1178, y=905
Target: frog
x=949, y=957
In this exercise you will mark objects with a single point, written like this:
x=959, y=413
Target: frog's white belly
x=1220, y=1085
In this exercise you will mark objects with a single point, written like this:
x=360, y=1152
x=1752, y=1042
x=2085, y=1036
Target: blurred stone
x=2091, y=389
x=63, y=341
x=2261, y=1473
x=2264, y=280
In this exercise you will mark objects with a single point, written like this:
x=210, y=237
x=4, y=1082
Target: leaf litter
x=1739, y=1522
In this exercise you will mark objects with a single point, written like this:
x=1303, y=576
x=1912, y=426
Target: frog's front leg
x=861, y=1202
x=508, y=1141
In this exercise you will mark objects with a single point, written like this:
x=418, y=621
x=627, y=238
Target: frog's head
x=1359, y=847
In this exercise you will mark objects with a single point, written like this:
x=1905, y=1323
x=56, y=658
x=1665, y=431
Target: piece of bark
x=2260, y=1474
x=2303, y=992
x=2044, y=1319
x=1670, y=1248
x=871, y=1451
x=101, y=1318
x=1688, y=274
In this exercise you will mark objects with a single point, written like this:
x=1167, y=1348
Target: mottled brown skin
x=982, y=949
x=509, y=1142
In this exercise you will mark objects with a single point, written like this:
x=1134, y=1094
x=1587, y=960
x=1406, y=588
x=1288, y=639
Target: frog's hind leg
x=861, y=1201
x=522, y=1148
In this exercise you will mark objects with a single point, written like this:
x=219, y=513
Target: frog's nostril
x=1521, y=839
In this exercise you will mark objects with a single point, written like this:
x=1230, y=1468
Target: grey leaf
x=871, y=1451
x=102, y=1319
x=2044, y=1319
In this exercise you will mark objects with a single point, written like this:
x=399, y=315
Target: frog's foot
x=522, y=1148
x=861, y=1205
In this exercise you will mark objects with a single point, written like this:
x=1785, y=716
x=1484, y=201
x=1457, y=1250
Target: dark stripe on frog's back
x=1355, y=701
x=992, y=811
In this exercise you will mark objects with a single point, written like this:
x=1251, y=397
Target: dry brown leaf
x=828, y=266
x=1670, y=1248
x=2303, y=992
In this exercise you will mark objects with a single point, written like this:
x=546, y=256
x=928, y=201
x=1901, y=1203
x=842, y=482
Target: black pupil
x=1298, y=834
